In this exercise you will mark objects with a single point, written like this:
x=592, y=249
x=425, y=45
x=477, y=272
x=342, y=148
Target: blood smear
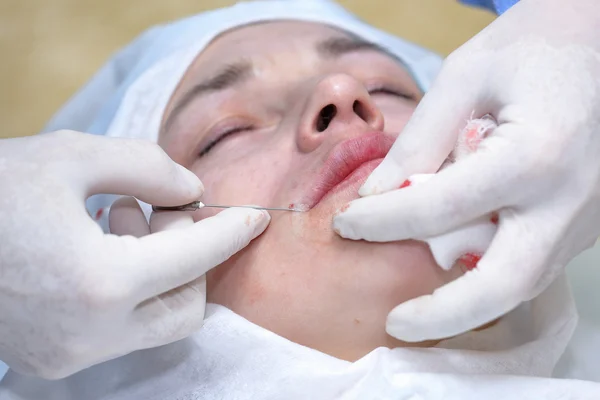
x=406, y=183
x=99, y=214
x=470, y=260
x=494, y=219
x=299, y=207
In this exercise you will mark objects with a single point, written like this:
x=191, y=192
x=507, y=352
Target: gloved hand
x=536, y=69
x=71, y=296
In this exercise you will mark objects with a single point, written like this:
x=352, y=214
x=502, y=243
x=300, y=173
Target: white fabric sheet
x=231, y=358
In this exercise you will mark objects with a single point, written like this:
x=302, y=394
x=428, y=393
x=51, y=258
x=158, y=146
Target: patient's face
x=298, y=113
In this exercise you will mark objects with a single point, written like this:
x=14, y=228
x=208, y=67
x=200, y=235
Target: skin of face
x=299, y=279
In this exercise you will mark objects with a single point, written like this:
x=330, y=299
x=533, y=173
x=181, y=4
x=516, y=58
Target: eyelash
x=222, y=136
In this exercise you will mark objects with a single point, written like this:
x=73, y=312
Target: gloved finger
x=470, y=188
x=127, y=218
x=135, y=168
x=188, y=302
x=164, y=221
x=429, y=136
x=171, y=316
x=169, y=259
x=495, y=287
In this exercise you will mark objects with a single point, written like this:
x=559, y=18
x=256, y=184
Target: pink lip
x=347, y=162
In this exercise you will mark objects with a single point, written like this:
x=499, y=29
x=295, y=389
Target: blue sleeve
x=3, y=370
x=498, y=6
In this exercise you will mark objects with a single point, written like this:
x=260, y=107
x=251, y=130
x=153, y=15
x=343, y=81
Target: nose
x=338, y=105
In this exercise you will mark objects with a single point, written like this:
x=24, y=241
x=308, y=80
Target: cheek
x=244, y=182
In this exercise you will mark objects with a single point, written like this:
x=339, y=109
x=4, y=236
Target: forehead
x=267, y=37
x=266, y=41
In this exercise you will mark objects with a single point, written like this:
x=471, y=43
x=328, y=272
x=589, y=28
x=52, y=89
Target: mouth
x=348, y=162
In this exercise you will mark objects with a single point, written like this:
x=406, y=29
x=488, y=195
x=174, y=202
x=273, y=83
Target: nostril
x=360, y=110
x=325, y=117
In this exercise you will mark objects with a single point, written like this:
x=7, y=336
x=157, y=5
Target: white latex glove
x=127, y=218
x=71, y=296
x=536, y=69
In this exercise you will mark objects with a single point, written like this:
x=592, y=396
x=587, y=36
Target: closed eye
x=222, y=136
x=384, y=90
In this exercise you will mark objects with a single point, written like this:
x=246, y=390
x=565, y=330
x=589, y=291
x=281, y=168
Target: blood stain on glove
x=99, y=214
x=406, y=183
x=470, y=260
x=494, y=219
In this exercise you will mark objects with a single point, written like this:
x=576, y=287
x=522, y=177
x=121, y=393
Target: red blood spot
x=470, y=260
x=472, y=138
x=99, y=214
x=494, y=219
x=344, y=208
x=291, y=206
x=472, y=132
x=406, y=183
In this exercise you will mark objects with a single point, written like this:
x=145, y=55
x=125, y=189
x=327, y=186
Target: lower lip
x=360, y=174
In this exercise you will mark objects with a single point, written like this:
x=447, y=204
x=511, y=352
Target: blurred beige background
x=50, y=48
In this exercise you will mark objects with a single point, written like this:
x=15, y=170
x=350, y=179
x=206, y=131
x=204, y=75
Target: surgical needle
x=193, y=206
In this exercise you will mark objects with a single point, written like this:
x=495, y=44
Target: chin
x=305, y=283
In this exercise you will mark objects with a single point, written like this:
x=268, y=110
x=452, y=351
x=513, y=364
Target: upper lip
x=345, y=158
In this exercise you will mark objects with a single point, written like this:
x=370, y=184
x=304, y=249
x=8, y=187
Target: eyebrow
x=236, y=73
x=338, y=46
x=231, y=75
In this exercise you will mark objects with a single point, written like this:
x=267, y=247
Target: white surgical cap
x=128, y=96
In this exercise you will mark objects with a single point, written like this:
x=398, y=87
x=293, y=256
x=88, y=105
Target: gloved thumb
x=428, y=138
x=135, y=168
